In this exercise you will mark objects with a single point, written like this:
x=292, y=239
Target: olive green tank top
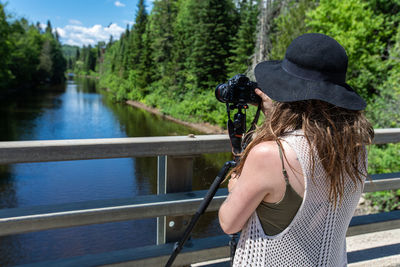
x=275, y=217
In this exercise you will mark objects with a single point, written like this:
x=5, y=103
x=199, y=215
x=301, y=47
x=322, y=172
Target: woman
x=299, y=180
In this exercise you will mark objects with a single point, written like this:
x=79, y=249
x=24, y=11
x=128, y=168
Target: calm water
x=78, y=111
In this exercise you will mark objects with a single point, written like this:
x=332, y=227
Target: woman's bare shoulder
x=263, y=150
x=264, y=159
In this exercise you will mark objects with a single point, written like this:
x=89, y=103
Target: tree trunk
x=269, y=9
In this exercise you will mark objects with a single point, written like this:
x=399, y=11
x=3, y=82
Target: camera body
x=238, y=90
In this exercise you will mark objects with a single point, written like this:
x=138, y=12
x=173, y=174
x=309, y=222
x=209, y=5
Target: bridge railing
x=174, y=202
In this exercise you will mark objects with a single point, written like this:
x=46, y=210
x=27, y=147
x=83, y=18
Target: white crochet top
x=317, y=234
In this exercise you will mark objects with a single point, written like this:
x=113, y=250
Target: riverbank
x=205, y=127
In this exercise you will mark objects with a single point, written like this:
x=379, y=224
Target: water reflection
x=8, y=197
x=80, y=110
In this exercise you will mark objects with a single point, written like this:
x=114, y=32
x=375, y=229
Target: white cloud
x=80, y=35
x=75, y=22
x=61, y=32
x=119, y=4
x=43, y=26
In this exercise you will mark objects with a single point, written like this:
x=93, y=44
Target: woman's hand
x=265, y=101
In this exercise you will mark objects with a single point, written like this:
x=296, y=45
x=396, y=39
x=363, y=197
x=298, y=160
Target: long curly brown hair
x=338, y=135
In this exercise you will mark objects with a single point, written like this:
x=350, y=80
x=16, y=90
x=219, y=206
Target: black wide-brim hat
x=314, y=67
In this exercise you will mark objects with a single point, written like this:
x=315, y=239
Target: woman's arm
x=257, y=180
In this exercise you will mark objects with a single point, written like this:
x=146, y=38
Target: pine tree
x=182, y=31
x=5, y=74
x=138, y=53
x=161, y=37
x=244, y=42
x=110, y=42
x=39, y=27
x=124, y=54
x=206, y=34
x=135, y=39
x=69, y=64
x=77, y=54
x=46, y=64
x=49, y=29
x=145, y=65
x=59, y=63
x=57, y=36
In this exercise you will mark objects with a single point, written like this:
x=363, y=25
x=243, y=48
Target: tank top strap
x=285, y=175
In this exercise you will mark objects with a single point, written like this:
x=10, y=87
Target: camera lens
x=222, y=92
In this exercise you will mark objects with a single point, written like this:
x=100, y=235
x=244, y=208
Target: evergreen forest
x=30, y=56
x=174, y=56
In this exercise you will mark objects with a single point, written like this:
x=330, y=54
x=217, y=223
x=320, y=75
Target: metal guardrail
x=23, y=220
x=80, y=149
x=170, y=151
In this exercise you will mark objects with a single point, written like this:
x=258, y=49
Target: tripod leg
x=232, y=245
x=203, y=206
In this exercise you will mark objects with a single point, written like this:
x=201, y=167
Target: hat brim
x=281, y=86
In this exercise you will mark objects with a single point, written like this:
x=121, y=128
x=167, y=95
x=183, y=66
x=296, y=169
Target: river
x=79, y=110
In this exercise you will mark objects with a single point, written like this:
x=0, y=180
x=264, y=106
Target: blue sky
x=79, y=22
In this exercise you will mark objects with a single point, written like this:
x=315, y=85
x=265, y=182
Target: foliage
x=69, y=51
x=29, y=56
x=244, y=40
x=180, y=51
x=384, y=159
x=288, y=25
x=86, y=59
x=160, y=31
x=204, y=34
x=385, y=200
x=5, y=46
x=384, y=109
x=138, y=53
x=194, y=45
x=361, y=32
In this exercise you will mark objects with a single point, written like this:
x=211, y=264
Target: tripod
x=203, y=206
x=236, y=129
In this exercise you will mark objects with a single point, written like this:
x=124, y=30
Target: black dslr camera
x=236, y=94
x=238, y=90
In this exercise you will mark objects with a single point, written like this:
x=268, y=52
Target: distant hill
x=69, y=51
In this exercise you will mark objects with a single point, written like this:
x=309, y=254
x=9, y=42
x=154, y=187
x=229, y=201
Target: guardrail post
x=174, y=175
x=161, y=189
